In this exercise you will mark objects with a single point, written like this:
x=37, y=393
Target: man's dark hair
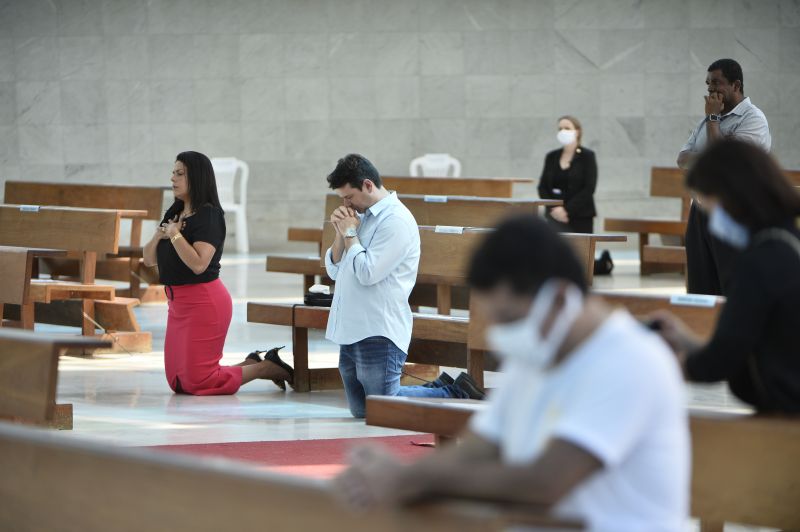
x=202, y=182
x=731, y=70
x=748, y=182
x=353, y=169
x=525, y=252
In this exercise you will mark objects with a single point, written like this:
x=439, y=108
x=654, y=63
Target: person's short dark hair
x=202, y=182
x=353, y=169
x=525, y=252
x=731, y=70
x=748, y=182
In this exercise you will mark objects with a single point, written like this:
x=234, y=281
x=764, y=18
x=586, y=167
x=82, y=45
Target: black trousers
x=709, y=261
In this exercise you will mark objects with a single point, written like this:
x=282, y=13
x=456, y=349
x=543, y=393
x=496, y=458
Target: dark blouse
x=205, y=225
x=756, y=347
x=576, y=184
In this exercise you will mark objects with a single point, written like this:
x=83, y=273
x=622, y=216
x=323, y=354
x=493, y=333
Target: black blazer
x=578, y=195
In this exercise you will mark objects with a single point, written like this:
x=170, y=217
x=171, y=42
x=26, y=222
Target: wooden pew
x=92, y=487
x=744, y=468
x=456, y=341
x=29, y=376
x=665, y=183
x=465, y=211
x=432, y=288
x=436, y=340
x=135, y=202
x=83, y=234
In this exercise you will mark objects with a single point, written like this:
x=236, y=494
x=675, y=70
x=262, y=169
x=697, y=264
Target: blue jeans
x=373, y=367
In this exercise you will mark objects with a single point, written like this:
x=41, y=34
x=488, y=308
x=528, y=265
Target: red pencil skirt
x=197, y=323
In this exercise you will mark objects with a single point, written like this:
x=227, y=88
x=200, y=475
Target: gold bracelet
x=175, y=238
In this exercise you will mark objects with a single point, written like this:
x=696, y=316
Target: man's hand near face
x=714, y=104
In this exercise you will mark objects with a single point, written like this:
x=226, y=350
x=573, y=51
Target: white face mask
x=566, y=136
x=724, y=227
x=522, y=339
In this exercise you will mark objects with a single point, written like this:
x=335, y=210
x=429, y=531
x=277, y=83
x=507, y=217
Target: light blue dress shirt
x=374, y=277
x=745, y=122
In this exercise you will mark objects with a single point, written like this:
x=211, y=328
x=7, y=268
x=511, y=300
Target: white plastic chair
x=435, y=165
x=225, y=170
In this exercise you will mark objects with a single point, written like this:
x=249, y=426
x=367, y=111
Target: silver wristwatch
x=351, y=232
x=714, y=118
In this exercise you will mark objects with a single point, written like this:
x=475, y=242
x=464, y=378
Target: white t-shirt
x=620, y=396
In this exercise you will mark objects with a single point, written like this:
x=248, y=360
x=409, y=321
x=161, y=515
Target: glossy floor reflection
x=125, y=399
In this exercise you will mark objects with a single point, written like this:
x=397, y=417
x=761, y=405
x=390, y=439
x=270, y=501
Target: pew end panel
x=29, y=376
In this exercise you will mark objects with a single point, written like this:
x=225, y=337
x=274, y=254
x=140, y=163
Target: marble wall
x=111, y=90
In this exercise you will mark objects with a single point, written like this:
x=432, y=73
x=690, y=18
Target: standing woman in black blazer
x=570, y=174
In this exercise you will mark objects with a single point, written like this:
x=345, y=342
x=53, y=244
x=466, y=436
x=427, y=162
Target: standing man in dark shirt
x=728, y=114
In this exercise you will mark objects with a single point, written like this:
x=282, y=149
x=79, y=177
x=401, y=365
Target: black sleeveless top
x=205, y=225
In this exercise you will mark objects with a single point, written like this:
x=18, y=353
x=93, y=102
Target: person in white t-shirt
x=589, y=419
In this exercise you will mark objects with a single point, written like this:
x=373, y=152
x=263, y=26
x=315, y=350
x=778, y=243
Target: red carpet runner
x=312, y=458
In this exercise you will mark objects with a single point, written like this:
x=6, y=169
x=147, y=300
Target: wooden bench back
x=73, y=229
x=701, y=319
x=489, y=187
x=96, y=487
x=464, y=211
x=116, y=197
x=745, y=469
x=444, y=257
x=669, y=183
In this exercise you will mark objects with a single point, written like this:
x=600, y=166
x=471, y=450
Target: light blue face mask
x=724, y=227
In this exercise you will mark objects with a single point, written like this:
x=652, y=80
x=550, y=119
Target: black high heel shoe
x=272, y=356
x=254, y=356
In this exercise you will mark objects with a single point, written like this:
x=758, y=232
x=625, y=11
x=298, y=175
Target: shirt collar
x=376, y=209
x=741, y=107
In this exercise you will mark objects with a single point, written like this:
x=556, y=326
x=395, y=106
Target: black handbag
x=314, y=299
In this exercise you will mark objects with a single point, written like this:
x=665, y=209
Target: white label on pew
x=29, y=208
x=435, y=199
x=449, y=229
x=693, y=300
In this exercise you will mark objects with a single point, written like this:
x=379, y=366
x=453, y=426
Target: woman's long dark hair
x=748, y=182
x=202, y=183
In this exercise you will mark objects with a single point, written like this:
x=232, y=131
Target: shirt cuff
x=352, y=253
x=331, y=268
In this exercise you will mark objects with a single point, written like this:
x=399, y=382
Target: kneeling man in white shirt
x=588, y=420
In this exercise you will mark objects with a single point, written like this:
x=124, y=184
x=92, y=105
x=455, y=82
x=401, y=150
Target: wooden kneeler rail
x=53, y=483
x=29, y=376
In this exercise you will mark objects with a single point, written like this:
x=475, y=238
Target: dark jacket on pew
x=756, y=346
x=576, y=184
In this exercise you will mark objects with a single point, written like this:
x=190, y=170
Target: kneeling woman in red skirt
x=187, y=247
